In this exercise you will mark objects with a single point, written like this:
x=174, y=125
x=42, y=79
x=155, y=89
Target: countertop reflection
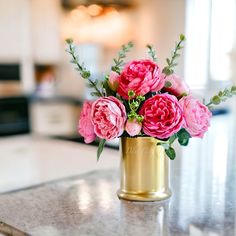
x=203, y=182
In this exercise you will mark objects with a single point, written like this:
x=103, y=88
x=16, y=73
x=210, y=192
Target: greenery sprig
x=183, y=138
x=222, y=96
x=119, y=62
x=134, y=105
x=152, y=52
x=82, y=69
x=171, y=63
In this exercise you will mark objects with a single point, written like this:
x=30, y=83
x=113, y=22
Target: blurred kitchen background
x=41, y=97
x=41, y=93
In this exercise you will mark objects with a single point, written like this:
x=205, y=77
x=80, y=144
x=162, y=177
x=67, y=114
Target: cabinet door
x=45, y=27
x=13, y=30
x=54, y=118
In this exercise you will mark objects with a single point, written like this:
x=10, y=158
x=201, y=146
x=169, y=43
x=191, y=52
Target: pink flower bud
x=113, y=81
x=133, y=127
x=178, y=87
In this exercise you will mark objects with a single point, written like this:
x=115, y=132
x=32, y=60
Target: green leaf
x=182, y=37
x=233, y=88
x=215, y=100
x=100, y=148
x=183, y=142
x=85, y=74
x=168, y=84
x=183, y=134
x=69, y=41
x=170, y=153
x=183, y=137
x=95, y=94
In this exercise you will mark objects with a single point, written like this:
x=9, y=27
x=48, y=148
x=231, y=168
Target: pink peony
x=196, y=115
x=108, y=117
x=85, y=127
x=113, y=81
x=133, y=127
x=162, y=116
x=178, y=86
x=140, y=76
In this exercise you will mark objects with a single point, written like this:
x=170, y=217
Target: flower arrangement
x=139, y=98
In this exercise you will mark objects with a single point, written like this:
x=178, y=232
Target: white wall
x=167, y=23
x=30, y=33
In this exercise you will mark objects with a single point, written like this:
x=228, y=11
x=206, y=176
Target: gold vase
x=144, y=170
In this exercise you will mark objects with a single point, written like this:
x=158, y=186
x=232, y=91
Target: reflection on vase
x=144, y=218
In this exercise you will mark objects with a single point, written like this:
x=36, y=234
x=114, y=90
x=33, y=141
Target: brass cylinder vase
x=144, y=170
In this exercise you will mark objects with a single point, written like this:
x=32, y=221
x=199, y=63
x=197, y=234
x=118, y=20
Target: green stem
x=95, y=87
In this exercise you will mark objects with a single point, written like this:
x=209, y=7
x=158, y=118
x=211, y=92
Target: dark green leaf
x=100, y=148
x=183, y=142
x=170, y=153
x=184, y=134
x=183, y=137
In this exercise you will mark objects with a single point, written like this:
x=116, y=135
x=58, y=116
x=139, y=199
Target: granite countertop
x=203, y=182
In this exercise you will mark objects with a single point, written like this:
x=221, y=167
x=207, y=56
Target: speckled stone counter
x=88, y=205
x=203, y=182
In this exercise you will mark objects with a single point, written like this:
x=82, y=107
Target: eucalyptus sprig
x=81, y=68
x=134, y=104
x=152, y=52
x=119, y=62
x=171, y=62
x=222, y=96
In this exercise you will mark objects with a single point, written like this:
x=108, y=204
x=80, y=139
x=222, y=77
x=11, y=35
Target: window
x=210, y=29
x=221, y=38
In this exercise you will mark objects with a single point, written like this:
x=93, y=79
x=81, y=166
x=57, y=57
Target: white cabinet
x=55, y=118
x=12, y=30
x=30, y=29
x=30, y=34
x=45, y=19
